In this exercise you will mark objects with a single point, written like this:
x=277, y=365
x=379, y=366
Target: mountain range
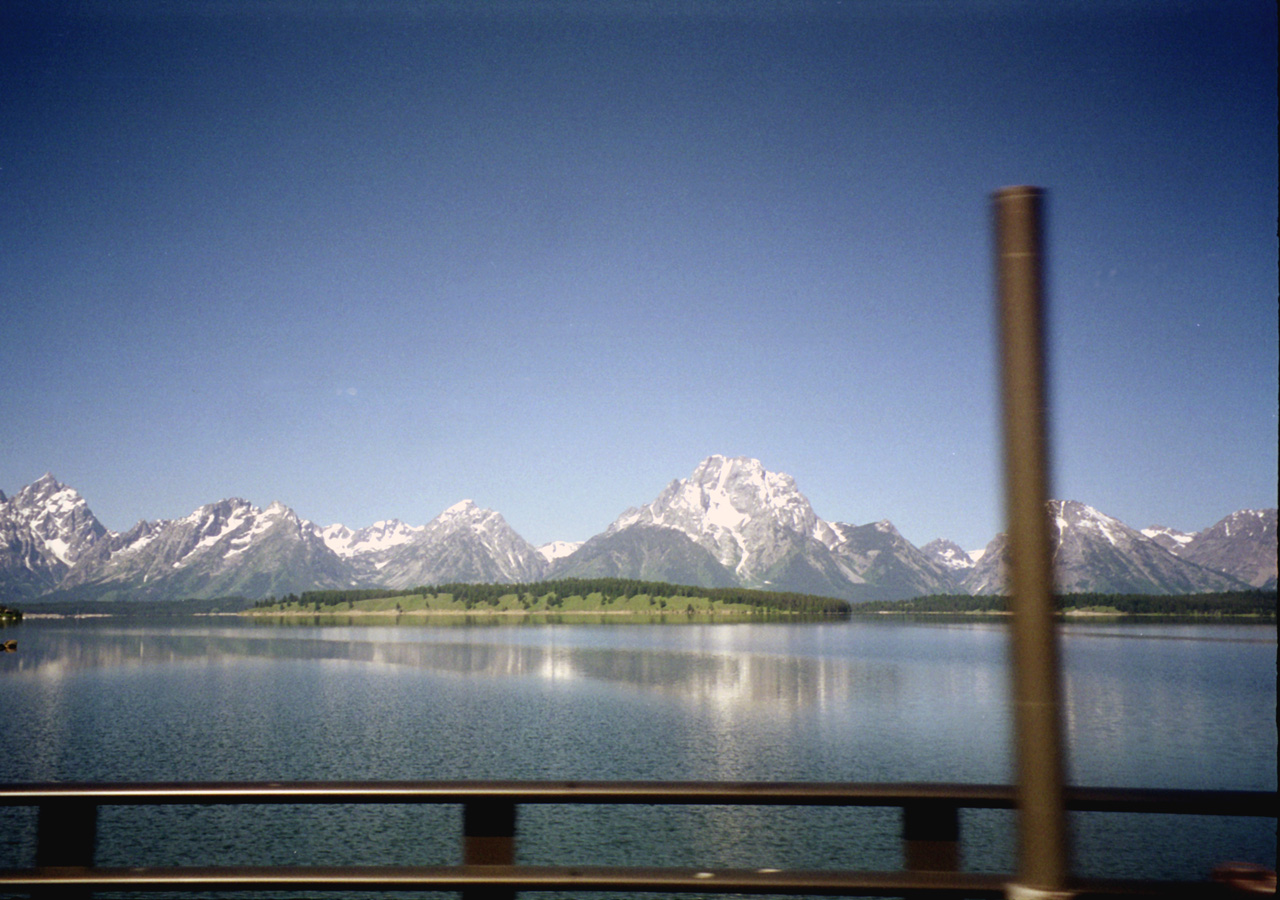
x=730, y=523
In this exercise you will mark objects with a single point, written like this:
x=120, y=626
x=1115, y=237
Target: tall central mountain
x=730, y=523
x=733, y=522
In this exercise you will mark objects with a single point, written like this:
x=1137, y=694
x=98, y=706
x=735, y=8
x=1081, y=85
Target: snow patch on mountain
x=1169, y=538
x=948, y=555
x=559, y=549
x=377, y=538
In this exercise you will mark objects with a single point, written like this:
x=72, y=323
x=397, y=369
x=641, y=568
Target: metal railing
x=931, y=839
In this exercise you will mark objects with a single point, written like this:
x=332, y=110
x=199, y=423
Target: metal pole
x=1042, y=838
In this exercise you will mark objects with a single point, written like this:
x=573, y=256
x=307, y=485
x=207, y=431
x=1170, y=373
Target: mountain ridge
x=731, y=523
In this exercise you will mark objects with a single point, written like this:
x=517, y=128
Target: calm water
x=219, y=699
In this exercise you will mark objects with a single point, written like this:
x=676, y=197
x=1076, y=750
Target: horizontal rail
x=67, y=835
x=581, y=878
x=544, y=878
x=575, y=878
x=673, y=793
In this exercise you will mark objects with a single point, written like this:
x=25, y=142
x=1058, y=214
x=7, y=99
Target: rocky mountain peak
x=46, y=494
x=1073, y=517
x=1094, y=552
x=465, y=514
x=58, y=518
x=1242, y=544
x=1169, y=538
x=948, y=554
x=463, y=543
x=759, y=527
x=379, y=537
x=735, y=508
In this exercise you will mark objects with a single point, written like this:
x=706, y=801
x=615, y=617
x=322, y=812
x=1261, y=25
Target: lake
x=1146, y=705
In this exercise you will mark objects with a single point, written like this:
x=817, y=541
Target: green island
x=1258, y=604
x=566, y=597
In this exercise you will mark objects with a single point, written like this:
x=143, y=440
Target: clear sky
x=369, y=259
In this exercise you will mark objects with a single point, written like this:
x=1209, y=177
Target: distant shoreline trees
x=1229, y=603
x=550, y=596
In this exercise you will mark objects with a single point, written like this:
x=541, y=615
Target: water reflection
x=724, y=675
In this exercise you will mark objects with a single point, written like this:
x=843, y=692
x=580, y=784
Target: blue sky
x=371, y=259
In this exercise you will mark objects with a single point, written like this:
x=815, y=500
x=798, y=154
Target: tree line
x=1224, y=603
x=610, y=588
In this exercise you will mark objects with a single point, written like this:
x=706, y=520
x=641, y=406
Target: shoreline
x=1068, y=614
x=428, y=613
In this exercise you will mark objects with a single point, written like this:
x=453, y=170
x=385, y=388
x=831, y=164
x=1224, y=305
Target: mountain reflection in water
x=725, y=674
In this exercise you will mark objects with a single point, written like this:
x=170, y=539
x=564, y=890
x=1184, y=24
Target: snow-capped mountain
x=221, y=549
x=763, y=531
x=1243, y=545
x=730, y=523
x=368, y=551
x=45, y=529
x=951, y=557
x=749, y=519
x=463, y=544
x=881, y=558
x=377, y=539
x=1094, y=552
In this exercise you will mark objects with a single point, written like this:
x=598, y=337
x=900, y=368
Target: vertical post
x=931, y=836
x=488, y=839
x=66, y=833
x=1042, y=839
x=66, y=836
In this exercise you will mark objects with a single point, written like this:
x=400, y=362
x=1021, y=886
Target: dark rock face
x=648, y=553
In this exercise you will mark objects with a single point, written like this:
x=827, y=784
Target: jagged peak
x=44, y=486
x=226, y=506
x=47, y=496
x=460, y=508
x=466, y=514
x=45, y=480
x=718, y=462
